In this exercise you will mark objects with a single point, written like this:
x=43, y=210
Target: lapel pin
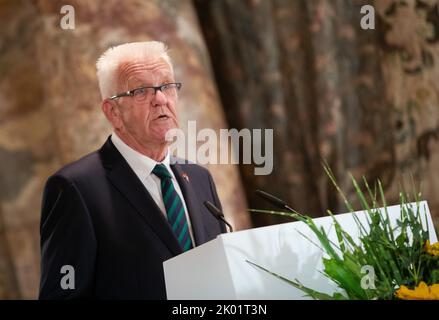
x=185, y=176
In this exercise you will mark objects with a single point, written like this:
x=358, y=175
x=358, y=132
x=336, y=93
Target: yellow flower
x=432, y=249
x=421, y=292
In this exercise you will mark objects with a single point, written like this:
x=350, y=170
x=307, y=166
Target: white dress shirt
x=142, y=167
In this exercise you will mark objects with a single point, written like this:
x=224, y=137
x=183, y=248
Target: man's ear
x=112, y=113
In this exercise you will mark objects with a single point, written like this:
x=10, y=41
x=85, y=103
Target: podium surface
x=218, y=268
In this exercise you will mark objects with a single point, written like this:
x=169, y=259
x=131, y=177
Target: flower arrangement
x=406, y=265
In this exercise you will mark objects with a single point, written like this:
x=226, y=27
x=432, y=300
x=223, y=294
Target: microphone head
x=272, y=199
x=217, y=213
x=213, y=209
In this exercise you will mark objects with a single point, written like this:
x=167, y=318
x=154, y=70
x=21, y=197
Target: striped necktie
x=174, y=207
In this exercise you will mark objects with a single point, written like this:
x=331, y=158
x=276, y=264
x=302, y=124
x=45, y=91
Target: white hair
x=110, y=60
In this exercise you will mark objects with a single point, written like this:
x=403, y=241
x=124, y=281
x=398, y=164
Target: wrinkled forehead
x=136, y=73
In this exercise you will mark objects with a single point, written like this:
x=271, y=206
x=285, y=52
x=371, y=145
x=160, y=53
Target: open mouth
x=163, y=116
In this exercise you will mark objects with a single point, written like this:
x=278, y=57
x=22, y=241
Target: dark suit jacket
x=99, y=218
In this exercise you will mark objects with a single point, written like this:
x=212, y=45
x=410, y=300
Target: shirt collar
x=142, y=165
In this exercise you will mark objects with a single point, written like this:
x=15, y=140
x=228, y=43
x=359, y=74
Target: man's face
x=147, y=120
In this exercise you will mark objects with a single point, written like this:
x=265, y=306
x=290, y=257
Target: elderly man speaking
x=110, y=219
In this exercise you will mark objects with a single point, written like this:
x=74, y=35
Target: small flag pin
x=185, y=176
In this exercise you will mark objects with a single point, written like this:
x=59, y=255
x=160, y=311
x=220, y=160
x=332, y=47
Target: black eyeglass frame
x=130, y=93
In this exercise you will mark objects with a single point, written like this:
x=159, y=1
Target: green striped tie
x=174, y=207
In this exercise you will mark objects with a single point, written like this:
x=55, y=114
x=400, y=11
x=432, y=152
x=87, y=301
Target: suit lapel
x=192, y=203
x=125, y=180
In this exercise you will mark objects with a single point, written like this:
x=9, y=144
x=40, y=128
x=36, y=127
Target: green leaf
x=309, y=292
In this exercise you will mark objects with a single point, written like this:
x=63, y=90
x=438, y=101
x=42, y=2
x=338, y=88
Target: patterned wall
x=366, y=101
x=50, y=107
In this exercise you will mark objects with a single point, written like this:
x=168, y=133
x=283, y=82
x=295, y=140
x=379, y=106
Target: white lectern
x=218, y=269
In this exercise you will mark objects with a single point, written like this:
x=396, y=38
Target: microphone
x=274, y=200
x=217, y=213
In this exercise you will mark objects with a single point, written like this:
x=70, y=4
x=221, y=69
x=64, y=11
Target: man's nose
x=159, y=98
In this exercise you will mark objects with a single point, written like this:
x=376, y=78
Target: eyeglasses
x=144, y=93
